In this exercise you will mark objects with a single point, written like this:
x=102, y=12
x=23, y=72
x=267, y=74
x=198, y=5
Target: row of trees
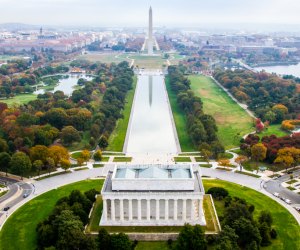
x=38, y=158
x=201, y=127
x=272, y=98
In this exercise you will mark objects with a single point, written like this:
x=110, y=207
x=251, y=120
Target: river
x=66, y=84
x=282, y=69
x=151, y=129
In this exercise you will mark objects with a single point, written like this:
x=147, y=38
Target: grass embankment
x=117, y=138
x=232, y=121
x=284, y=223
x=19, y=231
x=19, y=99
x=186, y=143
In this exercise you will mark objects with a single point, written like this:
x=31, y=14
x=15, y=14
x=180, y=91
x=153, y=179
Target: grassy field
x=232, y=121
x=284, y=223
x=186, y=143
x=19, y=231
x=117, y=138
x=122, y=159
x=106, y=57
x=274, y=129
x=19, y=99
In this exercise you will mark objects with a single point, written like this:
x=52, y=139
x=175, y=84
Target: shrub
x=218, y=192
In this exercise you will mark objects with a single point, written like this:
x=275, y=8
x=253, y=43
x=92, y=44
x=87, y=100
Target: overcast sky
x=134, y=12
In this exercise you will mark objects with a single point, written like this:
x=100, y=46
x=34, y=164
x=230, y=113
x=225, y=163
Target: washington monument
x=150, y=40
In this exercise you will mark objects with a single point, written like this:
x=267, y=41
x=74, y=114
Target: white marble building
x=152, y=195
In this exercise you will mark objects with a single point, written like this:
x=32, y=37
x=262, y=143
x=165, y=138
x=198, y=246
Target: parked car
x=6, y=208
x=297, y=208
x=276, y=194
x=25, y=195
x=287, y=201
x=289, y=172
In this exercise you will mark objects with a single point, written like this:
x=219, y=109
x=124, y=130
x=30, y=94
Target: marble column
x=157, y=210
x=104, y=210
x=121, y=210
x=175, y=209
x=139, y=210
x=166, y=209
x=130, y=209
x=184, y=210
x=112, y=202
x=192, y=210
x=148, y=210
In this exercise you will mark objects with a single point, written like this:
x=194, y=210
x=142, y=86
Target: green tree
x=191, y=238
x=69, y=134
x=103, y=240
x=20, y=164
x=120, y=241
x=265, y=217
x=98, y=155
x=50, y=164
x=103, y=142
x=3, y=145
x=264, y=231
x=38, y=165
x=5, y=159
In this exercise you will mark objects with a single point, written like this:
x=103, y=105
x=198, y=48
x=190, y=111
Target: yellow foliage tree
x=258, y=153
x=288, y=156
x=224, y=163
x=57, y=153
x=85, y=155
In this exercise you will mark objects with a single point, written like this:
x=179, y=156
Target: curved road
x=45, y=185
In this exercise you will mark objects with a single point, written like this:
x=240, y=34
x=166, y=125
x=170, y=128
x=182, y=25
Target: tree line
x=54, y=118
x=271, y=97
x=201, y=127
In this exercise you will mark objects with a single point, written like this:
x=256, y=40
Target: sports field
x=232, y=121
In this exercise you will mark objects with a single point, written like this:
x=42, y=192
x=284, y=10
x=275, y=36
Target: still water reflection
x=151, y=128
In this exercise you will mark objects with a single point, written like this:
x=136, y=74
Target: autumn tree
x=85, y=155
x=50, y=164
x=65, y=164
x=39, y=152
x=224, y=163
x=288, y=156
x=240, y=159
x=80, y=161
x=258, y=153
x=206, y=154
x=57, y=153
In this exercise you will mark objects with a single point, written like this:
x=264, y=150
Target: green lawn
x=19, y=99
x=19, y=231
x=182, y=159
x=232, y=121
x=152, y=245
x=286, y=226
x=186, y=143
x=122, y=159
x=274, y=129
x=117, y=138
x=83, y=144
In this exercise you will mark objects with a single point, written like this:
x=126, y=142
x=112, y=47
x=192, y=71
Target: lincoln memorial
x=154, y=195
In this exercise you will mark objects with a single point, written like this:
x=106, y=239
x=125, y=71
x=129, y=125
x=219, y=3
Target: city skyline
x=216, y=13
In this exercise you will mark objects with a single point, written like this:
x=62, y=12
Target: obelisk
x=150, y=33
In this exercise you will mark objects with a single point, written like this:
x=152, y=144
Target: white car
x=288, y=201
x=276, y=194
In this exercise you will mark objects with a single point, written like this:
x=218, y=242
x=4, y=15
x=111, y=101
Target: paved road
x=61, y=180
x=273, y=186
